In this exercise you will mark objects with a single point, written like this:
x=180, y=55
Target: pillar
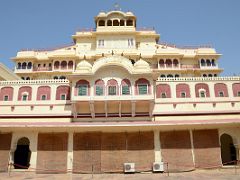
x=157, y=146
x=70, y=151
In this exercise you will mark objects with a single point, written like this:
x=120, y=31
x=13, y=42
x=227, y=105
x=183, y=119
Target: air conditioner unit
x=158, y=167
x=129, y=167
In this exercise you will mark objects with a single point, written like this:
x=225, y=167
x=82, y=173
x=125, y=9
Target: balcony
x=39, y=69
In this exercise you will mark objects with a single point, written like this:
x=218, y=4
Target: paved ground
x=217, y=174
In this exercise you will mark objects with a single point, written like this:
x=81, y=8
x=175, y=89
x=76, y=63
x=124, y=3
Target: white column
x=157, y=146
x=15, y=93
x=33, y=148
x=230, y=90
x=34, y=93
x=53, y=93
x=70, y=151
x=192, y=147
x=211, y=89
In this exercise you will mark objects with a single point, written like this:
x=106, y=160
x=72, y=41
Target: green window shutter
x=82, y=90
x=125, y=90
x=99, y=90
x=5, y=98
x=142, y=89
x=112, y=90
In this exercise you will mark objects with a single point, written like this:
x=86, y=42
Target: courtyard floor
x=216, y=174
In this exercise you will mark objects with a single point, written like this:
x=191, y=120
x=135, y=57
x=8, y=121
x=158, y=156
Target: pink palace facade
x=116, y=100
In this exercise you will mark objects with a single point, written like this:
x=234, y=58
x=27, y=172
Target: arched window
x=19, y=66
x=115, y=22
x=161, y=63
x=63, y=65
x=169, y=63
x=163, y=91
x=176, y=75
x=129, y=22
x=82, y=88
x=62, y=77
x=6, y=94
x=142, y=87
x=204, y=75
x=213, y=62
x=169, y=75
x=25, y=93
x=201, y=87
x=99, y=87
x=109, y=23
x=112, y=87
x=208, y=62
x=125, y=86
x=209, y=75
x=27, y=78
x=122, y=22
x=183, y=90
x=236, y=89
x=175, y=63
x=56, y=65
x=203, y=63
x=24, y=65
x=70, y=65
x=63, y=93
x=29, y=65
x=101, y=23
x=55, y=77
x=215, y=75
x=162, y=76
x=43, y=93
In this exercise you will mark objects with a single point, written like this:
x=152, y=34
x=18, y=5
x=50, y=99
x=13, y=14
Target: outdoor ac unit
x=129, y=167
x=158, y=167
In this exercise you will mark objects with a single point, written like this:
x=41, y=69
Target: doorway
x=228, y=151
x=22, y=154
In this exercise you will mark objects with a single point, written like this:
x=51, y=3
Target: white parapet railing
x=202, y=79
x=36, y=82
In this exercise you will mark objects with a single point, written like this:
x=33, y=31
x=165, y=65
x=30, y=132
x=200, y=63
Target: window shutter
x=99, y=90
x=82, y=90
x=142, y=89
x=125, y=90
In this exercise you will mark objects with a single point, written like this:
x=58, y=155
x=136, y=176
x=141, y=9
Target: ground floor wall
x=100, y=151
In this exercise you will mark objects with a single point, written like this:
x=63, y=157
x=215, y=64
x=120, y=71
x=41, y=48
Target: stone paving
x=216, y=174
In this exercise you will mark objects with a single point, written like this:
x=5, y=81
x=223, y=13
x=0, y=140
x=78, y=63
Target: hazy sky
x=50, y=23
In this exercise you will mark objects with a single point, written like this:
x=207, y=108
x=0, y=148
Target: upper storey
x=115, y=21
x=116, y=34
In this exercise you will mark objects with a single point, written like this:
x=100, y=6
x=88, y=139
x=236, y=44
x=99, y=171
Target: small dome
x=83, y=64
x=141, y=63
x=129, y=13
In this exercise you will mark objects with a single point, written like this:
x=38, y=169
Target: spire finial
x=117, y=7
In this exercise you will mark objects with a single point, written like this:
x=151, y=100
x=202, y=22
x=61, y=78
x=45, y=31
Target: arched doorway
x=22, y=154
x=228, y=151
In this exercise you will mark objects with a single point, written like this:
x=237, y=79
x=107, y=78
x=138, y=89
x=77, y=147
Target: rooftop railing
x=48, y=49
x=184, y=47
x=204, y=79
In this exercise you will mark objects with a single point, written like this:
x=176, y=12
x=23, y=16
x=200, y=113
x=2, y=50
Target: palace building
x=117, y=100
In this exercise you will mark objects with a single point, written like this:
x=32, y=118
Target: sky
x=33, y=24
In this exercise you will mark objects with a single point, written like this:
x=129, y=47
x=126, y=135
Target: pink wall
x=182, y=88
x=26, y=89
x=220, y=87
x=44, y=90
x=63, y=90
x=6, y=91
x=202, y=86
x=236, y=89
x=163, y=88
